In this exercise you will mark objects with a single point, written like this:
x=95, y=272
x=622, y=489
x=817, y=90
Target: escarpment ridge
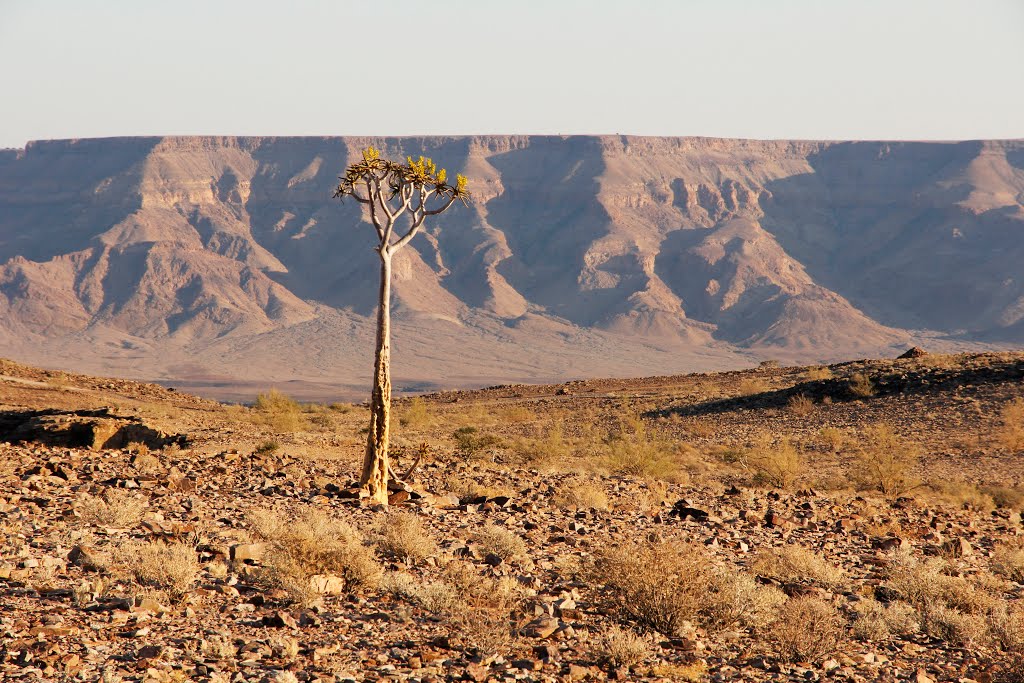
x=222, y=262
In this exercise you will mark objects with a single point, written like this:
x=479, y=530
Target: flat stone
x=542, y=628
x=149, y=652
x=248, y=552
x=325, y=584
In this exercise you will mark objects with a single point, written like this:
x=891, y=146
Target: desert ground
x=853, y=522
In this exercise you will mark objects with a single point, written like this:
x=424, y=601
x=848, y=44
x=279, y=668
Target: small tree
x=392, y=190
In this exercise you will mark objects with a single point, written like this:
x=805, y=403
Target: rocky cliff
x=220, y=261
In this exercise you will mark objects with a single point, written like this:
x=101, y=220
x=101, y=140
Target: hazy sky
x=922, y=69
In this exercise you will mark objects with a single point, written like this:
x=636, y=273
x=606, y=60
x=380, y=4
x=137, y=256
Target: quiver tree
x=391, y=191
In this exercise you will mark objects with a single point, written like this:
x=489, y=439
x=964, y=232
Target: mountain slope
x=222, y=261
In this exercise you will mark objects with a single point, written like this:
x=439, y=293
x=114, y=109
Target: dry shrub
x=1006, y=496
x=737, y=598
x=796, y=564
x=819, y=373
x=699, y=429
x=667, y=585
x=807, y=629
x=663, y=586
x=218, y=647
x=775, y=464
x=480, y=608
x=634, y=451
x=171, y=567
x=963, y=494
x=1007, y=625
x=471, y=442
x=115, y=508
x=278, y=411
x=501, y=542
x=1008, y=560
x=860, y=385
x=313, y=544
x=581, y=495
x=952, y=608
x=800, y=405
x=875, y=621
x=545, y=451
x=885, y=462
x=268, y=447
x=618, y=647
x=750, y=386
x=1010, y=433
x=403, y=537
x=414, y=414
x=515, y=413
x=651, y=497
x=831, y=439
x=438, y=597
x=955, y=627
x=322, y=421
x=146, y=463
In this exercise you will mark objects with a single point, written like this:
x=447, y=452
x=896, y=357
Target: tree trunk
x=375, y=462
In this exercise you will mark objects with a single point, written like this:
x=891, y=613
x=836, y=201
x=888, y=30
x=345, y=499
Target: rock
x=621, y=674
x=248, y=552
x=542, y=627
x=957, y=547
x=478, y=672
x=683, y=511
x=149, y=652
x=93, y=429
x=398, y=497
x=577, y=672
x=280, y=619
x=176, y=481
x=325, y=584
x=776, y=520
x=143, y=605
x=85, y=557
x=53, y=630
x=912, y=352
x=566, y=607
x=890, y=543
x=920, y=676
x=547, y=653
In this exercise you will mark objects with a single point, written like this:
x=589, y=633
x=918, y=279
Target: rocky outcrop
x=92, y=429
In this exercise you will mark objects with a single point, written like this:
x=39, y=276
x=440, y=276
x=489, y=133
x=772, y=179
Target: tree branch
x=406, y=198
x=434, y=212
x=417, y=222
x=381, y=232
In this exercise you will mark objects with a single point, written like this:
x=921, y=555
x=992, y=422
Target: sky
x=809, y=69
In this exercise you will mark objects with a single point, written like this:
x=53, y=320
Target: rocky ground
x=708, y=527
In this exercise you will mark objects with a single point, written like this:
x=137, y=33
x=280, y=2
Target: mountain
x=222, y=264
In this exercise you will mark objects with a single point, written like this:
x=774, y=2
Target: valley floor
x=853, y=522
